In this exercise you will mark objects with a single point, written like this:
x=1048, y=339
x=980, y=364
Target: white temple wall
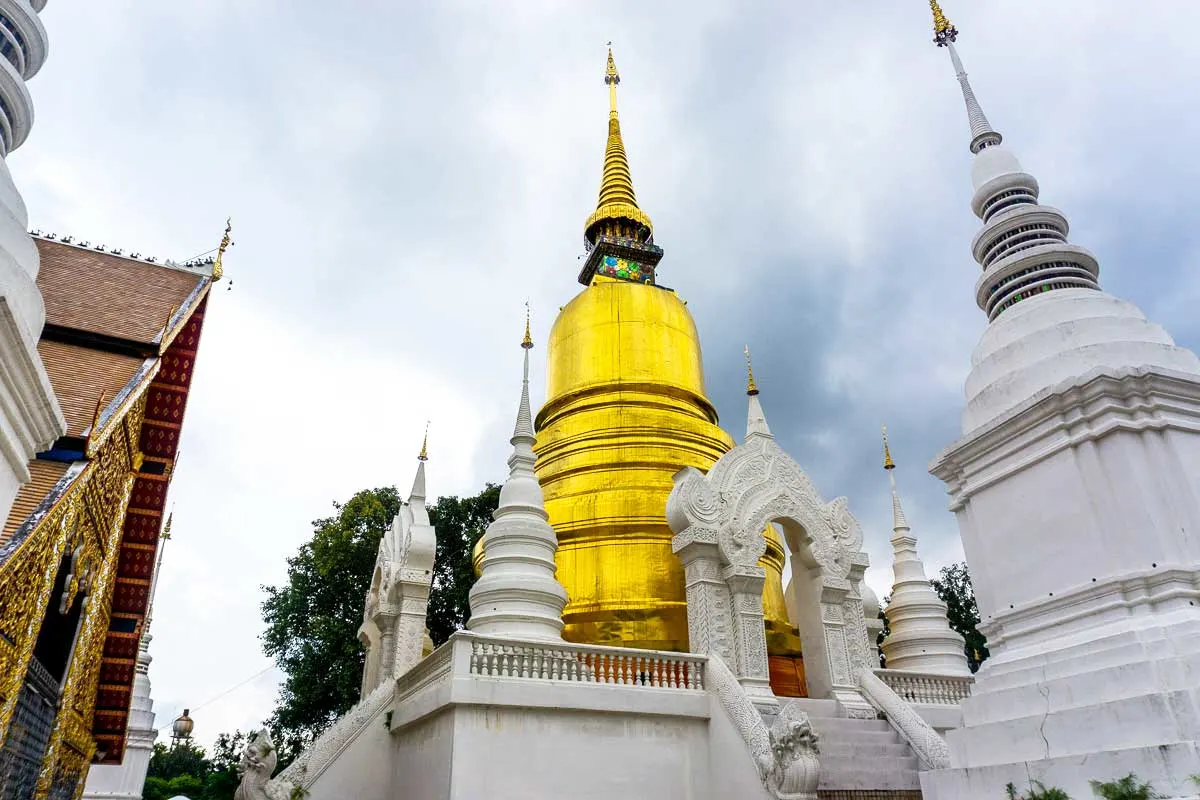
x=510, y=753
x=362, y=768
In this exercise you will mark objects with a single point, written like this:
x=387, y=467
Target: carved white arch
x=751, y=485
x=394, y=611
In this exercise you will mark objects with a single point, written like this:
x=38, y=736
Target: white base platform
x=1125, y=701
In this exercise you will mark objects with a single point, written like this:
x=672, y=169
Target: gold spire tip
x=424, y=454
x=887, y=452
x=527, y=342
x=218, y=268
x=944, y=31
x=751, y=386
x=611, y=76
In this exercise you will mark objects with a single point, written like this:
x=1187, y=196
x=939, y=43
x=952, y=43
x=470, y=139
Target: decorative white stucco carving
x=751, y=485
x=255, y=768
x=393, y=629
x=786, y=754
x=929, y=746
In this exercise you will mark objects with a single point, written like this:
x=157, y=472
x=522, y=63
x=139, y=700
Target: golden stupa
x=626, y=410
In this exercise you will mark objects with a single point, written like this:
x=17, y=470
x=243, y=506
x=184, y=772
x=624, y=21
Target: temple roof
x=111, y=295
x=117, y=328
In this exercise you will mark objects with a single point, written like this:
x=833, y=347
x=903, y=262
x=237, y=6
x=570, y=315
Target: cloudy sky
x=402, y=176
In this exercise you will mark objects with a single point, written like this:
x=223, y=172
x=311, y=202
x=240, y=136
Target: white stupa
x=920, y=638
x=517, y=594
x=1077, y=490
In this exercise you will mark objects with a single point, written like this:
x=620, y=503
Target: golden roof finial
x=527, y=342
x=944, y=31
x=751, y=386
x=218, y=269
x=424, y=454
x=617, y=211
x=887, y=452
x=166, y=531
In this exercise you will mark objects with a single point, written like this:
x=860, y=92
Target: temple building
x=78, y=546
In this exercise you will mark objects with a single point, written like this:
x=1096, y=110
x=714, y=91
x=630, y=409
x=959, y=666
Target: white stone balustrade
x=916, y=687
x=502, y=658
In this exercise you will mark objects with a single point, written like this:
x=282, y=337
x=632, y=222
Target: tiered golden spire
x=617, y=211
x=887, y=452
x=751, y=386
x=424, y=454
x=943, y=30
x=527, y=342
x=218, y=269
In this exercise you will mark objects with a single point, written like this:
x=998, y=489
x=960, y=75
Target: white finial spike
x=982, y=133
x=756, y=420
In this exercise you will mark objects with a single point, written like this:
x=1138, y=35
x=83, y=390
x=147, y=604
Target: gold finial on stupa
x=424, y=454
x=751, y=386
x=527, y=342
x=887, y=452
x=617, y=212
x=944, y=31
x=218, y=269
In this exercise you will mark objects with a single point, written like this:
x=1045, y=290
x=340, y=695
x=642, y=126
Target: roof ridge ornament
x=218, y=268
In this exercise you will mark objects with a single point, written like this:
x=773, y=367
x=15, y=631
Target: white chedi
x=517, y=594
x=920, y=638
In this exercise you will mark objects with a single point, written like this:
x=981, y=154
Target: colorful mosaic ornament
x=626, y=270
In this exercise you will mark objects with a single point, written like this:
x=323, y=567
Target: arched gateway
x=718, y=521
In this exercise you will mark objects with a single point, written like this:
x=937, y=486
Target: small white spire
x=920, y=637
x=756, y=420
x=517, y=594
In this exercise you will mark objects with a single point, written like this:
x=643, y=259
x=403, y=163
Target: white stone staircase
x=861, y=754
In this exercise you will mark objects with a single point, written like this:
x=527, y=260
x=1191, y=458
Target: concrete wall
x=361, y=769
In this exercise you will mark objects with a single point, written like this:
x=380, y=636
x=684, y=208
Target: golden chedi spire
x=424, y=454
x=943, y=30
x=887, y=452
x=617, y=213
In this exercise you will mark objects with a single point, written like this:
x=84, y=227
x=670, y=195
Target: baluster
x=591, y=667
x=474, y=663
x=490, y=654
x=525, y=662
x=699, y=679
x=608, y=676
x=627, y=670
x=656, y=675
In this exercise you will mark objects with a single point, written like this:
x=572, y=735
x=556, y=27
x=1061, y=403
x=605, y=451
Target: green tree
x=185, y=758
x=954, y=587
x=312, y=620
x=460, y=522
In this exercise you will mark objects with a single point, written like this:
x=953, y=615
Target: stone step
x=827, y=709
x=860, y=749
x=1164, y=717
x=850, y=773
x=842, y=725
x=1097, y=686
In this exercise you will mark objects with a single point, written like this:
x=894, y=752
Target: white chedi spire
x=756, y=420
x=920, y=638
x=517, y=594
x=1049, y=319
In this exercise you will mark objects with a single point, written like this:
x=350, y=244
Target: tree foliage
x=954, y=587
x=312, y=620
x=185, y=769
x=460, y=522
